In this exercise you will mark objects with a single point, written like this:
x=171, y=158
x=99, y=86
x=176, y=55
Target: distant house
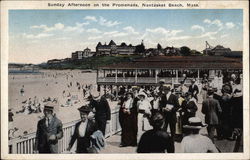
x=219, y=50
x=78, y=55
x=171, y=51
x=113, y=49
x=54, y=61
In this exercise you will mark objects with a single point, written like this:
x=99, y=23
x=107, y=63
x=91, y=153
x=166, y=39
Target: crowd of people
x=152, y=118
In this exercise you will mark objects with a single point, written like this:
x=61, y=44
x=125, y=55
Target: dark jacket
x=83, y=142
x=192, y=89
x=102, y=109
x=43, y=144
x=211, y=108
x=173, y=100
x=155, y=141
x=189, y=110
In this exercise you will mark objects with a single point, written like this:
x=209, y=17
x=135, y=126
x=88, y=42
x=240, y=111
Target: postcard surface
x=68, y=68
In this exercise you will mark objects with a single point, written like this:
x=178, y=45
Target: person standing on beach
x=49, y=131
x=22, y=91
x=102, y=110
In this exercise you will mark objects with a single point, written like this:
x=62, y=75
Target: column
x=115, y=75
x=177, y=81
x=198, y=76
x=97, y=75
x=156, y=77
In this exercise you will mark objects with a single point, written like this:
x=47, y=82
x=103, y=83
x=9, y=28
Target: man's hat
x=85, y=109
x=95, y=94
x=210, y=90
x=166, y=87
x=194, y=123
x=193, y=80
x=49, y=106
x=188, y=94
x=162, y=81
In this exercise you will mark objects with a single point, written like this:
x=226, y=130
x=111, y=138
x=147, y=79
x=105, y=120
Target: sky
x=36, y=36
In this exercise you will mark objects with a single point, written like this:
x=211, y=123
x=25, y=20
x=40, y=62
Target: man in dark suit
x=102, y=110
x=49, y=131
x=169, y=105
x=211, y=109
x=156, y=140
x=83, y=130
x=193, y=88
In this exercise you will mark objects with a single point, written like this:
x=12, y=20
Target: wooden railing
x=144, y=80
x=25, y=145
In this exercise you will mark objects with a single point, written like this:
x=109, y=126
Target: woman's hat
x=85, y=109
x=194, y=123
x=142, y=94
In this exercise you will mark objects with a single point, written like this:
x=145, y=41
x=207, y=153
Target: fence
x=25, y=145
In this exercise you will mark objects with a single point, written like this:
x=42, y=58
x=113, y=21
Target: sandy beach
x=51, y=84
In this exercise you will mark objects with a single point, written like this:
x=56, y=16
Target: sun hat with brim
x=194, y=123
x=85, y=109
x=142, y=94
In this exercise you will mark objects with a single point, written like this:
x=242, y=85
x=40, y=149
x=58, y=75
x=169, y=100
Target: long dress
x=129, y=123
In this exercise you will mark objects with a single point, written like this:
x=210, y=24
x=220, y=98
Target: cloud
x=230, y=25
x=90, y=18
x=197, y=27
x=105, y=22
x=158, y=30
x=174, y=32
x=130, y=29
x=78, y=27
x=215, y=22
x=208, y=34
x=57, y=26
x=115, y=34
x=37, y=36
x=93, y=30
x=224, y=35
x=207, y=21
x=95, y=37
x=179, y=38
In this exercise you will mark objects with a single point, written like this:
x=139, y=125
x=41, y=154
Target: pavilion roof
x=179, y=62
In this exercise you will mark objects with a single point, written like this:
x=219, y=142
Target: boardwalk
x=113, y=142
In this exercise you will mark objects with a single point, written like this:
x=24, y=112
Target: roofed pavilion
x=149, y=70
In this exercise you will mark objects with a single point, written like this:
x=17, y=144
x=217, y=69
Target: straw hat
x=194, y=123
x=49, y=106
x=162, y=81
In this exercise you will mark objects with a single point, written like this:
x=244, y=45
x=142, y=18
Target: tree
x=185, y=51
x=140, y=48
x=159, y=47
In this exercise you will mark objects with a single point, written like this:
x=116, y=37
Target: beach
x=51, y=83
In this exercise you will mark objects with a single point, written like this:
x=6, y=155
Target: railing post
x=116, y=76
x=135, y=75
